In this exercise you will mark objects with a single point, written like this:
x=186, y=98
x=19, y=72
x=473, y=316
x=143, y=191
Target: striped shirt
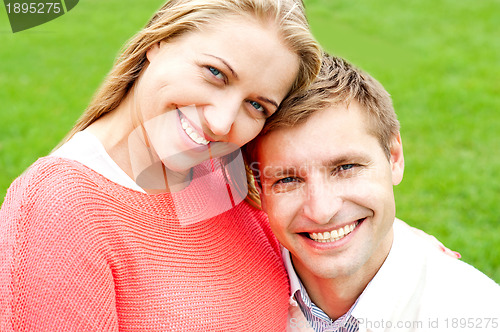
x=316, y=317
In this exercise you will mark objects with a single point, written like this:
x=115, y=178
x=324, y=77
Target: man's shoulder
x=437, y=264
x=447, y=284
x=456, y=281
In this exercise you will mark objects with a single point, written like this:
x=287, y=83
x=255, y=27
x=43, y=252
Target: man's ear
x=153, y=51
x=397, y=160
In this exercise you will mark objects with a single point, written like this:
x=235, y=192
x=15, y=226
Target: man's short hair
x=339, y=83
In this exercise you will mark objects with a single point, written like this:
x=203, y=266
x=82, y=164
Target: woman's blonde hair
x=177, y=17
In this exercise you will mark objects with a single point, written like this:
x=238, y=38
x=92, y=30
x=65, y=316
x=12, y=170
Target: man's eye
x=286, y=180
x=346, y=170
x=283, y=185
x=347, y=167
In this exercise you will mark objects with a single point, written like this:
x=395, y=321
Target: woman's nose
x=221, y=117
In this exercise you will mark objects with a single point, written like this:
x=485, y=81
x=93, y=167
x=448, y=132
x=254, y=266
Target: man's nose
x=321, y=203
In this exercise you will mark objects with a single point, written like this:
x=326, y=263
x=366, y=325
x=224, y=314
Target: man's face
x=328, y=190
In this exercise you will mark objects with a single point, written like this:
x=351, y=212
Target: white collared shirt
x=85, y=148
x=316, y=318
x=418, y=288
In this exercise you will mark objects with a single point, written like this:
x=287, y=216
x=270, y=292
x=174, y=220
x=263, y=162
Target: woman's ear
x=397, y=160
x=153, y=51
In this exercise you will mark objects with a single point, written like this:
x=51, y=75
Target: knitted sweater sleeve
x=53, y=271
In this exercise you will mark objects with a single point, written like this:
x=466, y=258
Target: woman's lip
x=199, y=130
x=193, y=146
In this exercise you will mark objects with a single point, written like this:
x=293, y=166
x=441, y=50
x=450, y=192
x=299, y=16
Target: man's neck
x=335, y=296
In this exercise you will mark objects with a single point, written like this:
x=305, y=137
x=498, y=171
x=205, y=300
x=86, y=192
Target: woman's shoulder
x=49, y=186
x=51, y=167
x=50, y=176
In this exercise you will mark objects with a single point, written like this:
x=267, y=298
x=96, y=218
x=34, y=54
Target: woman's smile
x=191, y=132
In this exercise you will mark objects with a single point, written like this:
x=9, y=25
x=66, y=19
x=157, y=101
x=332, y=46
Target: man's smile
x=336, y=234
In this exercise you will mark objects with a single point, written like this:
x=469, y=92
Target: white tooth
x=197, y=138
x=334, y=233
x=341, y=232
x=184, y=125
x=314, y=236
x=326, y=235
x=189, y=130
x=340, y=237
x=347, y=229
x=320, y=236
x=193, y=136
x=352, y=227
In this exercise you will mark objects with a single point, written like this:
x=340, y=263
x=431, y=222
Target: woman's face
x=208, y=92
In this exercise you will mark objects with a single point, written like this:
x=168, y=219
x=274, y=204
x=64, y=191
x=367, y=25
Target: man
x=327, y=171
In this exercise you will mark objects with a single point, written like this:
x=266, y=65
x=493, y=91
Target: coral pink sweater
x=81, y=253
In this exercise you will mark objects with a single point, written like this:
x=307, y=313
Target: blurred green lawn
x=438, y=59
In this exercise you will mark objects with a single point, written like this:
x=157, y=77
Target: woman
x=134, y=224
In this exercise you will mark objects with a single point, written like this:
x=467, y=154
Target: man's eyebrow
x=337, y=161
x=345, y=159
x=279, y=171
x=225, y=63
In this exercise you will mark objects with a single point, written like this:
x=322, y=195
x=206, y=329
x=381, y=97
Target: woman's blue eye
x=257, y=106
x=216, y=72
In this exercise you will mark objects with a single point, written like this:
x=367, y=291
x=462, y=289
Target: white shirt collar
x=88, y=150
x=292, y=275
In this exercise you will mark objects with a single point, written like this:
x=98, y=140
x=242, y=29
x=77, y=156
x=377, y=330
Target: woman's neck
x=121, y=133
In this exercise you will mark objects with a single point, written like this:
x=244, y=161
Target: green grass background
x=438, y=59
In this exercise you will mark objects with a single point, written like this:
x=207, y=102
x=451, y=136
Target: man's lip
x=335, y=227
x=195, y=126
x=333, y=241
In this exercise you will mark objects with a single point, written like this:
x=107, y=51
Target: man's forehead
x=303, y=161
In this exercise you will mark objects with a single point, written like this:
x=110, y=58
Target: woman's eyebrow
x=270, y=101
x=225, y=63
x=264, y=99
